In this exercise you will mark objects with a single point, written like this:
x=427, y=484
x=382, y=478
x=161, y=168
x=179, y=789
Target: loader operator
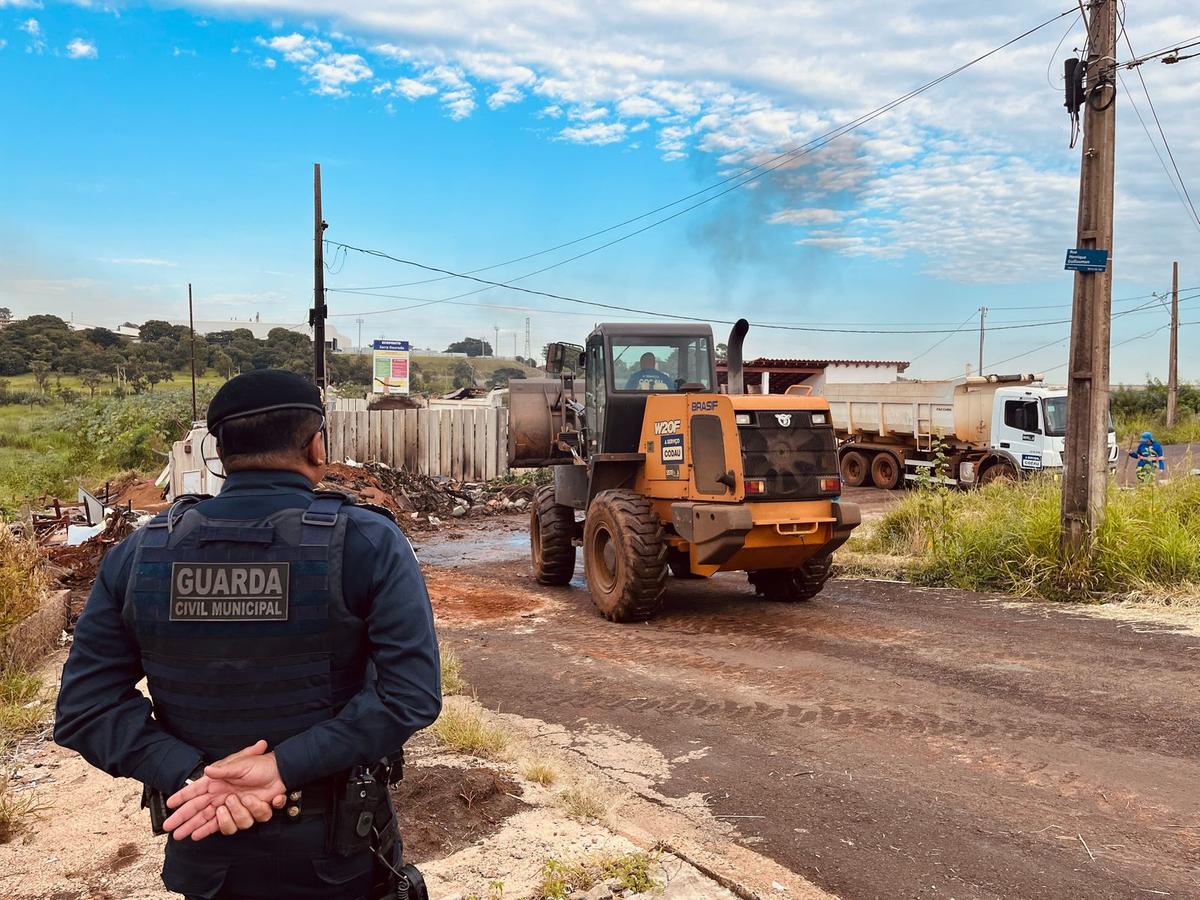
x=288, y=645
x=648, y=377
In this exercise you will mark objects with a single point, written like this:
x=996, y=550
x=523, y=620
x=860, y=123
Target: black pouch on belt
x=354, y=814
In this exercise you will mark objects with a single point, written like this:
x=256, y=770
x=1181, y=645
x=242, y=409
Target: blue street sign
x=389, y=345
x=1085, y=260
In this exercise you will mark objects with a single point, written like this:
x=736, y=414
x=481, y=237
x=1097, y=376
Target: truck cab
x=1029, y=426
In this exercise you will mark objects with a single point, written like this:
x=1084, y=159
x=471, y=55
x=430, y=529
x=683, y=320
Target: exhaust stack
x=733, y=359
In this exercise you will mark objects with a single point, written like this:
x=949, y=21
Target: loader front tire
x=625, y=556
x=551, y=538
x=793, y=585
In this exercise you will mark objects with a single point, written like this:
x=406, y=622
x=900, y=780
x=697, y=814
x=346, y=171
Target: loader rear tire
x=793, y=585
x=625, y=556
x=551, y=538
x=855, y=469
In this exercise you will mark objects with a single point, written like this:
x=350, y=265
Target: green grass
x=453, y=681
x=1185, y=431
x=27, y=382
x=462, y=729
x=443, y=366
x=1005, y=537
x=630, y=872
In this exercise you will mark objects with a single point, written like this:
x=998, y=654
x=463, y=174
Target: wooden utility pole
x=1173, y=364
x=192, y=329
x=317, y=317
x=982, y=320
x=1085, y=459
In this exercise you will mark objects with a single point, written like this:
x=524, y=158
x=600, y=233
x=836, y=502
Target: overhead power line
x=596, y=304
x=1187, y=197
x=737, y=180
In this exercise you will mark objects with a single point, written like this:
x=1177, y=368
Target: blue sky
x=151, y=146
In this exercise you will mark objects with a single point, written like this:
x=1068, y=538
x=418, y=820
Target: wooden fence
x=469, y=444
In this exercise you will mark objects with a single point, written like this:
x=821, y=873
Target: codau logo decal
x=784, y=419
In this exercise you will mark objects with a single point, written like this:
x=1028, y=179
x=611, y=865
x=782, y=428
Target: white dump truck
x=986, y=427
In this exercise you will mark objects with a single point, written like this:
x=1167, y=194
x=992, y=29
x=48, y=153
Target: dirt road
x=883, y=740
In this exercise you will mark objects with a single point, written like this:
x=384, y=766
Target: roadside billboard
x=389, y=369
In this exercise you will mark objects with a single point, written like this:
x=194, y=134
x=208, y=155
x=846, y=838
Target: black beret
x=260, y=391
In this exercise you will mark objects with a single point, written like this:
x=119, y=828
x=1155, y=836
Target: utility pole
x=1173, y=364
x=528, y=351
x=360, y=344
x=316, y=318
x=1085, y=459
x=982, y=320
x=495, y=340
x=192, y=329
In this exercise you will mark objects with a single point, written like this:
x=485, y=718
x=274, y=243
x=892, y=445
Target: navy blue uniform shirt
x=103, y=716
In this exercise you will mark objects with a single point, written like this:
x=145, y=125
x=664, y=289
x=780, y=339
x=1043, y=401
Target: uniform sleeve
x=406, y=694
x=100, y=713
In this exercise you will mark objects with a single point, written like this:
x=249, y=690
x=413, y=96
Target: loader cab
x=624, y=364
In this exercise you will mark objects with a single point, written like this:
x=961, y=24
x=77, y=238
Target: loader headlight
x=742, y=418
x=820, y=419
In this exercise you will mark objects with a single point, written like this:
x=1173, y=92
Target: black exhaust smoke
x=733, y=356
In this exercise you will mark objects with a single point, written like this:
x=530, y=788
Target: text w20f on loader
x=670, y=474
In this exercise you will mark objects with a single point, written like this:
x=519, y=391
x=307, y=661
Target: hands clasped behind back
x=234, y=794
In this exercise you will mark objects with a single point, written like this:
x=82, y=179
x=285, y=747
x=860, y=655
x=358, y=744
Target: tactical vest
x=243, y=630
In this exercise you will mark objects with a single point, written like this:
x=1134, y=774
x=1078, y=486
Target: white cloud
x=330, y=73
x=182, y=51
x=79, y=48
x=37, y=39
x=141, y=261
x=408, y=88
x=810, y=216
x=3, y=43
x=20, y=4
x=737, y=81
x=596, y=133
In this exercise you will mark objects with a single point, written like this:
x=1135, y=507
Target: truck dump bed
x=958, y=410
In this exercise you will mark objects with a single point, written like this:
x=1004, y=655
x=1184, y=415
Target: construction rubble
x=423, y=502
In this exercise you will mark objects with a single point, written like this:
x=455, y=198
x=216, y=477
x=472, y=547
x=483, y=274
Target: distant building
x=775, y=376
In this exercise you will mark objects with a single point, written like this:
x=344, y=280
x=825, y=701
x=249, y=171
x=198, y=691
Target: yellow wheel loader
x=656, y=471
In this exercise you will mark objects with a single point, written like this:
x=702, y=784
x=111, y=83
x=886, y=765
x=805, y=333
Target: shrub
x=1006, y=537
x=629, y=872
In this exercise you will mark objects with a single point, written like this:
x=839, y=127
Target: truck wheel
x=855, y=469
x=887, y=471
x=625, y=556
x=680, y=564
x=793, y=585
x=551, y=538
x=1000, y=471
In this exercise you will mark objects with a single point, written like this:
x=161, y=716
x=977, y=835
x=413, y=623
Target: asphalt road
x=883, y=740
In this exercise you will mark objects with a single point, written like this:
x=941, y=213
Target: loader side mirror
x=555, y=357
x=562, y=357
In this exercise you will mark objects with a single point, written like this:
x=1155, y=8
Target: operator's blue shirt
x=1146, y=454
x=102, y=715
x=649, y=380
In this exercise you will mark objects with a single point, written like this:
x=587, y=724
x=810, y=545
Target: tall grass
x=1186, y=429
x=1005, y=537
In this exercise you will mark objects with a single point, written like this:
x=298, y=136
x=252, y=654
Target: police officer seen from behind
x=288, y=645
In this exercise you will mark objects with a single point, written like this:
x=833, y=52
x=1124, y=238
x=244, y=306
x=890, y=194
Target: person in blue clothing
x=288, y=644
x=1149, y=456
x=648, y=377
